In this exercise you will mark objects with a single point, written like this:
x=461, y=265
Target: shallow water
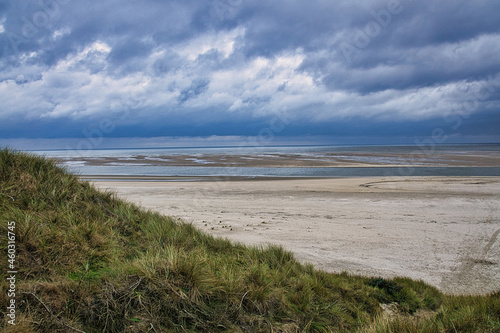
x=144, y=162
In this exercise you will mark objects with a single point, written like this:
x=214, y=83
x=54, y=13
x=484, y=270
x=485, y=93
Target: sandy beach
x=442, y=230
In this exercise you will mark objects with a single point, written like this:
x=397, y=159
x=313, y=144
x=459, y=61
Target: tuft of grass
x=457, y=314
x=90, y=262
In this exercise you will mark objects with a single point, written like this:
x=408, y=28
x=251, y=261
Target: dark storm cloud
x=404, y=44
x=196, y=88
x=228, y=66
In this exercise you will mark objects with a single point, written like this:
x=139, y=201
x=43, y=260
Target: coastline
x=312, y=159
x=442, y=230
x=142, y=178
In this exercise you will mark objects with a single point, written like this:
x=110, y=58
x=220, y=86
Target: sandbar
x=416, y=157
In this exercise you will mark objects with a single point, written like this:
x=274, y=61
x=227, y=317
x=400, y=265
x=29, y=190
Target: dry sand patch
x=443, y=230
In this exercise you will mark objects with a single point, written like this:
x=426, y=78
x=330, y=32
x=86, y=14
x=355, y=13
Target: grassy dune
x=89, y=262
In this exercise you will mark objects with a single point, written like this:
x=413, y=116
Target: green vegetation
x=90, y=262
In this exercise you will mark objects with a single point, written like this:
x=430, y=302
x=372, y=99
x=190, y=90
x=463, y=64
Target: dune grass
x=90, y=262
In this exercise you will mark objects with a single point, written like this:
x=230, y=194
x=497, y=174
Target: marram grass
x=89, y=262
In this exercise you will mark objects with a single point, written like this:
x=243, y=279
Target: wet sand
x=442, y=230
x=327, y=159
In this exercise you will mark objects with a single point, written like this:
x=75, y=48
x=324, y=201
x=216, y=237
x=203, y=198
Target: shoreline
x=154, y=178
x=143, y=178
x=398, y=157
x=443, y=230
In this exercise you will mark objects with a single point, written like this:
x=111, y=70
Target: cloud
x=227, y=67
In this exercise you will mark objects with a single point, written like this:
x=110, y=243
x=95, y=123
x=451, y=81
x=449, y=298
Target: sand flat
x=443, y=230
x=406, y=156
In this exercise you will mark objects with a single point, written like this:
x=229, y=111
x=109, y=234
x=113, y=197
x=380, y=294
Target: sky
x=96, y=73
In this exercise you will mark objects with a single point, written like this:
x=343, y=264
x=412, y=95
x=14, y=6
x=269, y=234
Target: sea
x=77, y=161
